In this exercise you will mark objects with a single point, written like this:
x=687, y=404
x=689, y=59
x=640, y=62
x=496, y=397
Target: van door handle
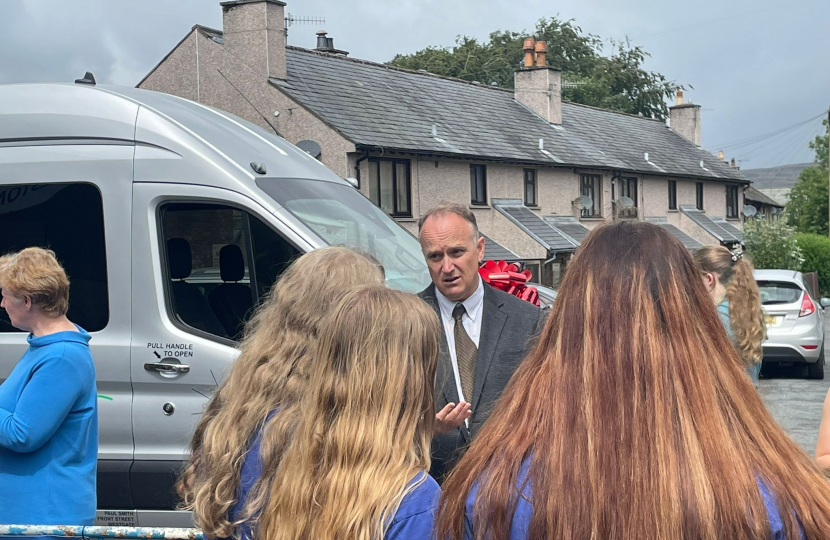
x=170, y=368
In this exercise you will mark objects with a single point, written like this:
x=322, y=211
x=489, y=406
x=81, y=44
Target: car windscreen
x=778, y=292
x=342, y=216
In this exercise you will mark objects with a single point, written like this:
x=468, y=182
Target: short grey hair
x=445, y=208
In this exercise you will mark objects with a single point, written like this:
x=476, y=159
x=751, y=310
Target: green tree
x=618, y=82
x=819, y=145
x=807, y=208
x=771, y=244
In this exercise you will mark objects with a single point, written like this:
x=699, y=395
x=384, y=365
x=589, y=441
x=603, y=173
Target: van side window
x=69, y=220
x=219, y=261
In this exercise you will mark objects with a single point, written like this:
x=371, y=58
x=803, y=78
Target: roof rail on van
x=88, y=79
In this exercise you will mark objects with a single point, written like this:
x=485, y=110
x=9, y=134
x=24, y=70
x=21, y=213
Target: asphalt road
x=796, y=402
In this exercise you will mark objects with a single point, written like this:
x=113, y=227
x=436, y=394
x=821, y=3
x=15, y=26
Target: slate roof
x=752, y=194
x=723, y=235
x=785, y=176
x=378, y=106
x=569, y=227
x=730, y=228
x=533, y=225
x=493, y=251
x=690, y=243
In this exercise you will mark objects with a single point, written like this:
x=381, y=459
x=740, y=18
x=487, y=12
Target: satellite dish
x=310, y=147
x=583, y=203
x=625, y=202
x=750, y=210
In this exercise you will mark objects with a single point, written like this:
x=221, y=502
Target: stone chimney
x=254, y=32
x=539, y=87
x=684, y=119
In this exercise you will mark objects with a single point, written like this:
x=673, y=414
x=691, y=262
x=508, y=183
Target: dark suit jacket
x=508, y=328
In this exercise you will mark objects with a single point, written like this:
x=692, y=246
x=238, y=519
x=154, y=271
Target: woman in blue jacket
x=633, y=418
x=48, y=408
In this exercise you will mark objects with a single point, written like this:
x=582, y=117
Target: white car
x=795, y=322
x=546, y=295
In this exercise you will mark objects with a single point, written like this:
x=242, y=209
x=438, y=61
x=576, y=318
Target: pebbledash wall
x=200, y=69
x=436, y=180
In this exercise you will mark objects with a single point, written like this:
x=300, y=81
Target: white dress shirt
x=471, y=320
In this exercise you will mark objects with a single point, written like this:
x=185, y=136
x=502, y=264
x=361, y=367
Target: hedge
x=816, y=252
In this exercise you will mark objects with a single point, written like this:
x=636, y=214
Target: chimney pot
x=541, y=51
x=720, y=155
x=732, y=163
x=528, y=49
x=322, y=42
x=680, y=97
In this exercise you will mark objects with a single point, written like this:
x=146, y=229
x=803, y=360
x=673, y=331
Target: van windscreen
x=341, y=216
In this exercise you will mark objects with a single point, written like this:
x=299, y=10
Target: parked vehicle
x=546, y=295
x=172, y=219
x=795, y=323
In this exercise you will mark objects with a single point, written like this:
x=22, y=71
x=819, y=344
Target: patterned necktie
x=465, y=353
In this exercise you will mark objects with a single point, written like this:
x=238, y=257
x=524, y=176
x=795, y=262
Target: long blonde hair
x=271, y=372
x=366, y=422
x=745, y=313
x=635, y=416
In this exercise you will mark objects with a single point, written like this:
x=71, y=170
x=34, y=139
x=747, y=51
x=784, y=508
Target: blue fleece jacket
x=413, y=520
x=49, y=434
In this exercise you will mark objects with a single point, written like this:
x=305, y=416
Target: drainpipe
x=542, y=270
x=357, y=167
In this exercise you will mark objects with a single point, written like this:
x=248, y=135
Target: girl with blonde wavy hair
x=222, y=484
x=633, y=418
x=356, y=468
x=728, y=278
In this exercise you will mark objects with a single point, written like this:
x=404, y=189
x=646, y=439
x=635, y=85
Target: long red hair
x=636, y=416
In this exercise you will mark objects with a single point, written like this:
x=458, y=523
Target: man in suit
x=485, y=332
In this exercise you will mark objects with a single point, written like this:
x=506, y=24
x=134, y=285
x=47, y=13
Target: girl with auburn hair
x=224, y=484
x=356, y=468
x=633, y=418
x=728, y=278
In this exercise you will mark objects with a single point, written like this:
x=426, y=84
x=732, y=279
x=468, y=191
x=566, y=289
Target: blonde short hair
x=36, y=273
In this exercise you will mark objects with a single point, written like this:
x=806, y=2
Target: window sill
x=480, y=206
x=404, y=219
x=733, y=219
x=673, y=211
x=533, y=207
x=595, y=218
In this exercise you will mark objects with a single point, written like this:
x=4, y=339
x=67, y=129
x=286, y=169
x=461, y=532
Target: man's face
x=453, y=255
x=16, y=308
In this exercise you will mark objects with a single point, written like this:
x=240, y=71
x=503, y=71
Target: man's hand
x=451, y=416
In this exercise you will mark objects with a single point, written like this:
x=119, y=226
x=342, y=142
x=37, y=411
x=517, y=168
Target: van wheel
x=816, y=369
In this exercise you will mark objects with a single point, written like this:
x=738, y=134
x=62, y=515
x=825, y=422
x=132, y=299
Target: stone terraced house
x=537, y=172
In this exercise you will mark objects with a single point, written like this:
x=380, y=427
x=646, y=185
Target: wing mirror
x=825, y=302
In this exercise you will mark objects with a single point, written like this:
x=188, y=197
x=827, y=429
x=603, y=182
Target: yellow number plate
x=771, y=320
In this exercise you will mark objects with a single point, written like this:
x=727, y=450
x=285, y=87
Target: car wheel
x=816, y=369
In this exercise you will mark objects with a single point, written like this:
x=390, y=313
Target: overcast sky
x=757, y=66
